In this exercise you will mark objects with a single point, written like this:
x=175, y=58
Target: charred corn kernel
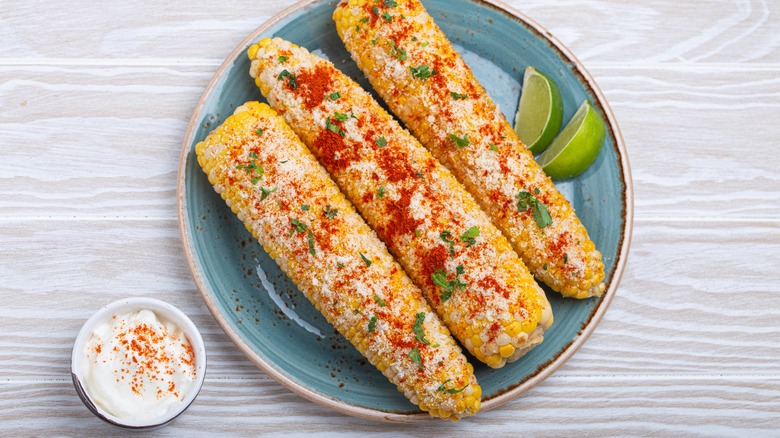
x=464, y=265
x=426, y=83
x=265, y=174
x=506, y=350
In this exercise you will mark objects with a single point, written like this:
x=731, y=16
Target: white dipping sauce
x=138, y=366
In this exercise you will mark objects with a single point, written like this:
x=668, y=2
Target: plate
x=278, y=328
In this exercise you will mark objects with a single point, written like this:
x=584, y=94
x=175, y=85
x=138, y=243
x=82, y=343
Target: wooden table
x=94, y=101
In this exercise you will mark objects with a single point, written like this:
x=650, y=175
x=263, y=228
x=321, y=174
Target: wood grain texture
x=94, y=102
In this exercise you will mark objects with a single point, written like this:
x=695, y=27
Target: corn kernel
x=506, y=350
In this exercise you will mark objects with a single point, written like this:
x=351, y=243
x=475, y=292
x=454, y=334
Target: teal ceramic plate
x=276, y=326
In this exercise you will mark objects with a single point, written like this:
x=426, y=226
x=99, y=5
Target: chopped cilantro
x=419, y=333
x=456, y=96
x=259, y=131
x=372, y=324
x=375, y=10
x=424, y=43
x=493, y=147
x=414, y=355
x=366, y=260
x=381, y=142
x=422, y=72
x=443, y=388
x=439, y=278
x=339, y=265
x=419, y=175
x=379, y=300
x=470, y=235
x=391, y=3
x=565, y=259
x=364, y=19
x=290, y=79
x=373, y=42
x=341, y=117
x=335, y=96
x=253, y=167
x=305, y=207
x=330, y=213
x=397, y=51
x=387, y=17
x=381, y=193
x=447, y=237
x=265, y=192
x=282, y=59
x=526, y=201
x=311, y=243
x=299, y=226
x=460, y=142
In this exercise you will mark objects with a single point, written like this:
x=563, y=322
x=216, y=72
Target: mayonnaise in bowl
x=138, y=363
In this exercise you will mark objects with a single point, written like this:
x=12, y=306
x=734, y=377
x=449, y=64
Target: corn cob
x=290, y=204
x=426, y=83
x=465, y=267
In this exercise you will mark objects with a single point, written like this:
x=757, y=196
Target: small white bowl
x=163, y=310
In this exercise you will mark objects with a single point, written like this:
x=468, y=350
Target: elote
x=289, y=203
x=465, y=267
x=425, y=82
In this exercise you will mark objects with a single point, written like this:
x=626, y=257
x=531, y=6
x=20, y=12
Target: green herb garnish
x=335, y=96
x=305, y=207
x=329, y=212
x=397, y=51
x=447, y=237
x=439, y=278
x=365, y=259
x=381, y=142
x=372, y=324
x=414, y=355
x=282, y=59
x=470, y=235
x=419, y=333
x=290, y=79
x=381, y=193
x=456, y=96
x=379, y=300
x=422, y=72
x=460, y=142
x=265, y=192
x=311, y=243
x=526, y=201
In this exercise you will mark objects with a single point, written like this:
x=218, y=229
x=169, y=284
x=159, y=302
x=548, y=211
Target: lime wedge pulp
x=540, y=111
x=577, y=146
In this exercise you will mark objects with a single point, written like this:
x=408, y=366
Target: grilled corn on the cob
x=421, y=77
x=447, y=245
x=290, y=204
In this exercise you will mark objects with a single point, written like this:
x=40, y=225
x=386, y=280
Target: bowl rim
x=546, y=369
x=166, y=311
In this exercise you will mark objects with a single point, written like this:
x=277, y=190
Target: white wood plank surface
x=690, y=346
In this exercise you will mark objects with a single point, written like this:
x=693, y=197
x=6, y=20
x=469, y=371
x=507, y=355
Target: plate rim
x=545, y=370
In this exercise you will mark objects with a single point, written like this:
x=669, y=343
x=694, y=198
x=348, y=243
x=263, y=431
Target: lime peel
x=539, y=112
x=577, y=146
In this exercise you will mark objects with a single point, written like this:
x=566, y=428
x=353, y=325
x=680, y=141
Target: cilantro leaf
x=460, y=142
x=414, y=355
x=419, y=333
x=470, y=236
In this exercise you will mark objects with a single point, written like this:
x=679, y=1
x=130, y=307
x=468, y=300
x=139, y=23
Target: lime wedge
x=540, y=112
x=577, y=146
